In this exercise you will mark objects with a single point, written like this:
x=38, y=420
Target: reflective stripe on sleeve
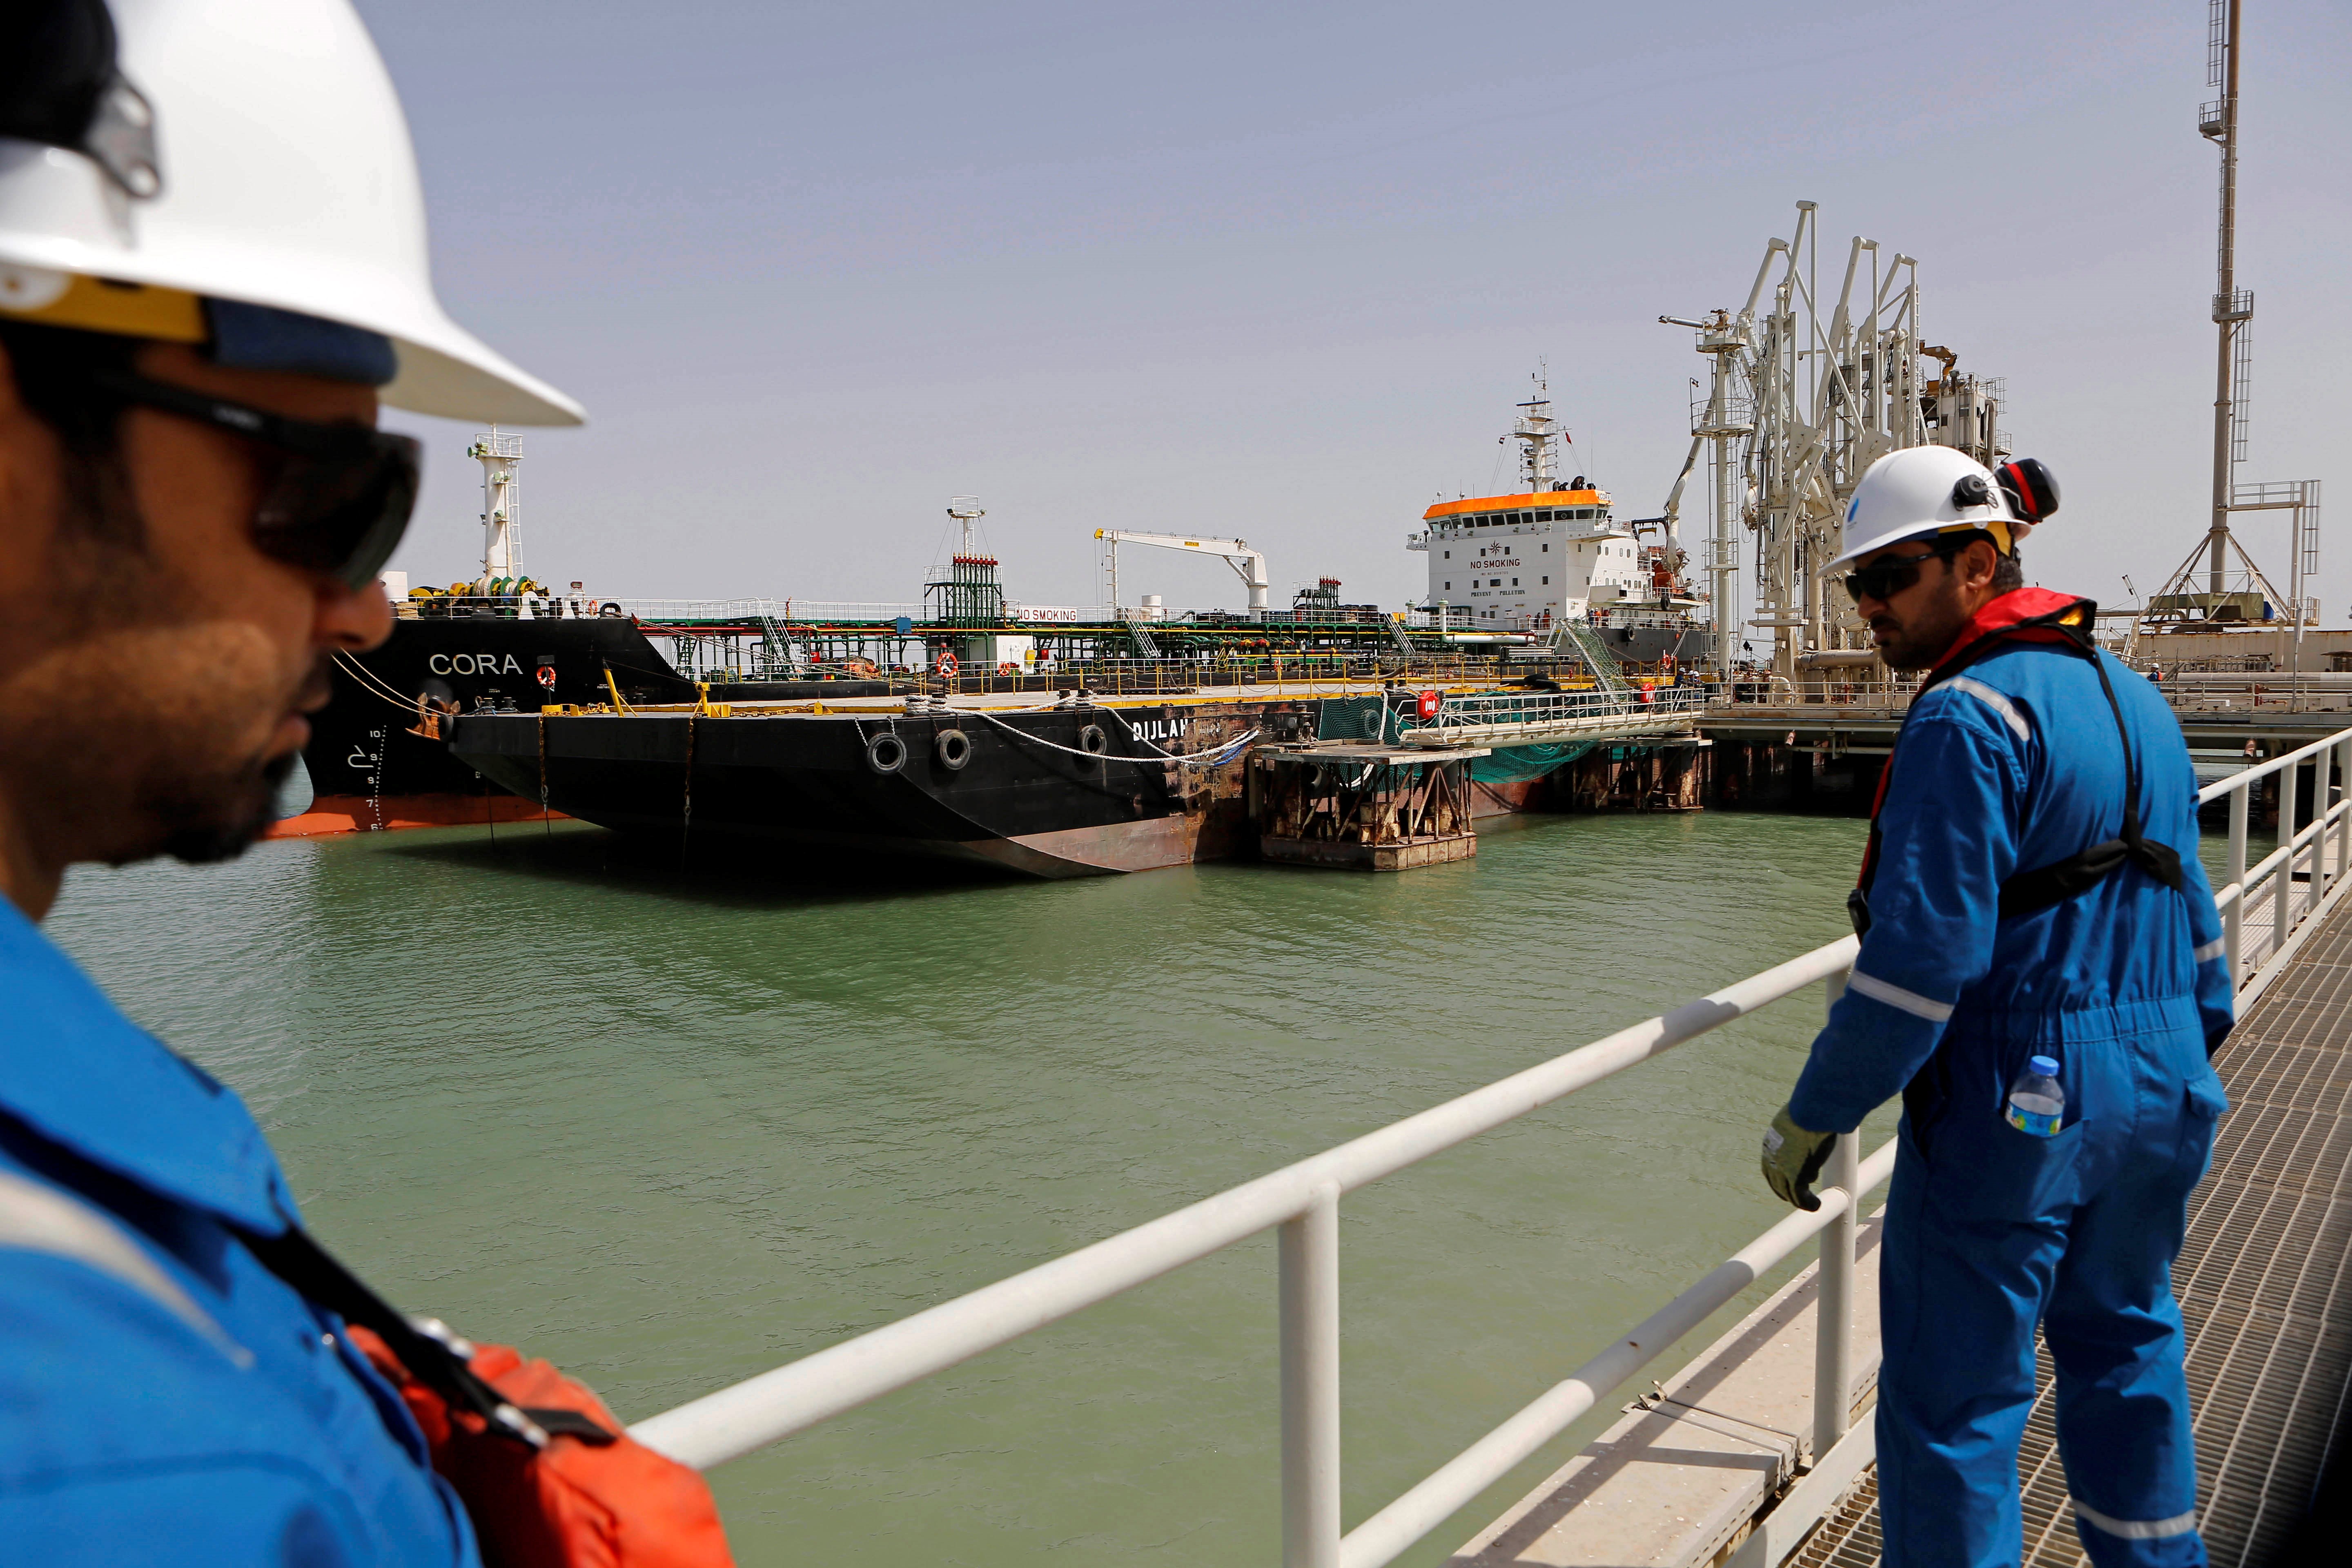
x=2135, y=1529
x=1910, y=1002
x=2212, y=951
x=38, y=1218
x=1997, y=701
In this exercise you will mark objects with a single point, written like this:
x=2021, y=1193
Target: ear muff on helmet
x=60, y=86
x=2032, y=492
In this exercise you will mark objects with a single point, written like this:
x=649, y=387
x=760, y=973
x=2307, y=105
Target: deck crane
x=1234, y=552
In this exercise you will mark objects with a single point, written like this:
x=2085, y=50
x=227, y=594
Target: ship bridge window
x=1543, y=517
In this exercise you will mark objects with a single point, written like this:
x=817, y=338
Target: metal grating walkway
x=2265, y=1287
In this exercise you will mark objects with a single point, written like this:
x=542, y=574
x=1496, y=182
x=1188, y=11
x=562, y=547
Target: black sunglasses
x=1882, y=579
x=343, y=492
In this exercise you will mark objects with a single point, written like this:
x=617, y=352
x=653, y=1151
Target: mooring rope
x=374, y=684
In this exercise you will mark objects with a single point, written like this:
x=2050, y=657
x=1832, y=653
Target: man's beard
x=1923, y=636
x=209, y=818
x=219, y=818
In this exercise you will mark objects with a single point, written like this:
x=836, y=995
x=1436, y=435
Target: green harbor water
x=672, y=1129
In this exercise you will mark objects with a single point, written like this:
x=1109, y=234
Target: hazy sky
x=1283, y=271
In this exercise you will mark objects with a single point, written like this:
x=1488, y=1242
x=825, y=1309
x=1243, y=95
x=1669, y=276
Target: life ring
x=1093, y=741
x=885, y=752
x=953, y=749
x=946, y=666
x=547, y=676
x=610, y=609
x=1008, y=668
x=1426, y=705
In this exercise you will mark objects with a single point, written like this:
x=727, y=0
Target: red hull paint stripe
x=331, y=814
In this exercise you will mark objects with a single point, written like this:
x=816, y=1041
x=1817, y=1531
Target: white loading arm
x=1234, y=552
x=1673, y=520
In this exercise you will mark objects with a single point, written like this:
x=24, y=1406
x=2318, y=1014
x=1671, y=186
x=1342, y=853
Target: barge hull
x=1023, y=800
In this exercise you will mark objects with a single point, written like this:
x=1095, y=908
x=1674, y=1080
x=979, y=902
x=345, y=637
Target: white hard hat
x=251, y=152
x=1921, y=491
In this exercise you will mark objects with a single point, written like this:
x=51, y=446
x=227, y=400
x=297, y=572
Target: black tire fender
x=1092, y=740
x=885, y=752
x=952, y=748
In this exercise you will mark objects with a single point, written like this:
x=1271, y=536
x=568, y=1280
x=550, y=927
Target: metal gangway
x=1571, y=633
x=1536, y=717
x=2270, y=909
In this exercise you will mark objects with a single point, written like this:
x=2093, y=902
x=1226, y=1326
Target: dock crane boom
x=1234, y=552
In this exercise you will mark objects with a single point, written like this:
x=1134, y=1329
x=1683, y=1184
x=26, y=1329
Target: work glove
x=1792, y=1158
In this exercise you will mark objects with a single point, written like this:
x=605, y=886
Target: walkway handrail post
x=2287, y=792
x=2240, y=807
x=2343, y=824
x=1833, y=1289
x=2323, y=815
x=1309, y=1247
x=2316, y=828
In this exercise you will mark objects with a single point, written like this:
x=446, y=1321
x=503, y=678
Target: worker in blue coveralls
x=2030, y=888
x=212, y=269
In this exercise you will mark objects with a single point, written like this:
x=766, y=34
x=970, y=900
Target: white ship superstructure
x=1525, y=562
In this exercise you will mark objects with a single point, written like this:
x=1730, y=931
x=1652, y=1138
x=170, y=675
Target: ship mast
x=1538, y=434
x=499, y=454
x=966, y=510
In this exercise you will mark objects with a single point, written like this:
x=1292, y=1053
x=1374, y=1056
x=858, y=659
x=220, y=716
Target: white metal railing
x=2271, y=879
x=792, y=611
x=1301, y=1203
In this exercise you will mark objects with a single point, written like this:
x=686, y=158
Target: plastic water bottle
x=2036, y=1103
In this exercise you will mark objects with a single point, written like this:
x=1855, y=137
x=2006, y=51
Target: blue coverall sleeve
x=1947, y=840
x=2215, y=991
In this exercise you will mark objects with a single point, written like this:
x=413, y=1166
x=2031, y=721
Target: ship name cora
x=473, y=664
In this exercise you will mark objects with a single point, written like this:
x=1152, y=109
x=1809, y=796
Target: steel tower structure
x=1799, y=400
x=2235, y=588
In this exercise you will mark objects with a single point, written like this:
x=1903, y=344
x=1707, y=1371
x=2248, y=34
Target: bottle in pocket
x=2036, y=1104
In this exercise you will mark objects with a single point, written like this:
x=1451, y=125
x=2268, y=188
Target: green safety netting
x=1371, y=718
x=1356, y=718
x=1511, y=765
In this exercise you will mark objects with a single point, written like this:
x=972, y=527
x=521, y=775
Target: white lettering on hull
x=473, y=664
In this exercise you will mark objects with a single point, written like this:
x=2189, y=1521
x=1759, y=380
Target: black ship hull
x=369, y=762
x=1027, y=796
